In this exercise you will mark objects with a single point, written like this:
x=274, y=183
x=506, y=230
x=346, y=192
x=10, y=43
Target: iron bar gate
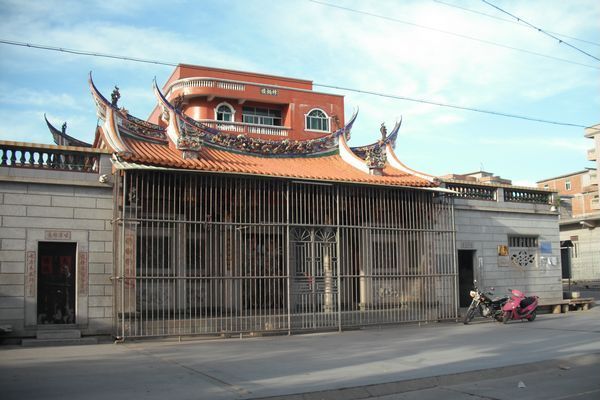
x=199, y=254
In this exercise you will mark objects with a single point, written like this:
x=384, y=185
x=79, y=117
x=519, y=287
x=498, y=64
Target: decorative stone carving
x=192, y=143
x=375, y=157
x=115, y=96
x=383, y=131
x=523, y=258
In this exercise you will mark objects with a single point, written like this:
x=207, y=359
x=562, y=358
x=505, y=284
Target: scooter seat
x=526, y=302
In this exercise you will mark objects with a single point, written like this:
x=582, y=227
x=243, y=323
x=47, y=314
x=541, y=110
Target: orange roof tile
x=327, y=168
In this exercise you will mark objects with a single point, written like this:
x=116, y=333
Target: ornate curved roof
x=61, y=138
x=188, y=144
x=363, y=151
x=192, y=134
x=127, y=124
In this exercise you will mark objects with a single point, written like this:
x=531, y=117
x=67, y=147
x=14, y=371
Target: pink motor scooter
x=519, y=306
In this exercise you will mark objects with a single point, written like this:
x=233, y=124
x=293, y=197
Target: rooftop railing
x=61, y=158
x=473, y=192
x=518, y=195
x=491, y=193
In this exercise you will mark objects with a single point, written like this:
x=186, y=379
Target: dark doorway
x=565, y=261
x=56, y=283
x=465, y=276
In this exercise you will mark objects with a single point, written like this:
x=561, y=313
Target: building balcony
x=595, y=204
x=244, y=128
x=591, y=155
x=209, y=83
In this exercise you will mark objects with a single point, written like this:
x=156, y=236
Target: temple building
x=237, y=207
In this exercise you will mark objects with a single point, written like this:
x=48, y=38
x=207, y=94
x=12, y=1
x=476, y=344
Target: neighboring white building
x=507, y=237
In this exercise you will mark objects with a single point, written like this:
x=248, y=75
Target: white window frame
x=568, y=184
x=231, y=109
x=327, y=118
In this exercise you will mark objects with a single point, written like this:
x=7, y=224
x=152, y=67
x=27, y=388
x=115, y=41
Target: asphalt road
x=446, y=360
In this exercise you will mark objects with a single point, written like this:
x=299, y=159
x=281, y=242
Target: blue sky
x=303, y=39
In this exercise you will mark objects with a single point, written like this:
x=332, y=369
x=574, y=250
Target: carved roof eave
x=62, y=139
x=393, y=161
x=189, y=134
x=390, y=139
x=125, y=123
x=106, y=112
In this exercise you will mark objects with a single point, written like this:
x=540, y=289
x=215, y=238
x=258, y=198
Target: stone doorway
x=56, y=283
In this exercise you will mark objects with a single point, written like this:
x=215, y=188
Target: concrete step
x=58, y=342
x=58, y=334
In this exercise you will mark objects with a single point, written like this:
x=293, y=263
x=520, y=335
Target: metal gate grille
x=315, y=278
x=203, y=254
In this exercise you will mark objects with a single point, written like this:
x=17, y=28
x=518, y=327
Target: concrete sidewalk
x=281, y=365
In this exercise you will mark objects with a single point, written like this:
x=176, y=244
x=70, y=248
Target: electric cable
x=560, y=41
x=511, y=21
x=391, y=96
x=474, y=39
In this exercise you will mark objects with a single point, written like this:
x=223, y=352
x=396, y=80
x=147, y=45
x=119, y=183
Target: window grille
x=522, y=241
x=523, y=250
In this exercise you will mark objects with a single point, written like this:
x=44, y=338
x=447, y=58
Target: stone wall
x=52, y=206
x=483, y=225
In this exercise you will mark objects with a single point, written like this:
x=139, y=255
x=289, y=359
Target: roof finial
x=64, y=128
x=115, y=96
x=383, y=131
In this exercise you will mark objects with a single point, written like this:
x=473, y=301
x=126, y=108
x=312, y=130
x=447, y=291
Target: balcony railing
x=517, y=195
x=591, y=155
x=206, y=83
x=490, y=193
x=473, y=192
x=28, y=155
x=244, y=128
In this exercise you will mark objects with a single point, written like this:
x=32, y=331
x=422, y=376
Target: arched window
x=317, y=120
x=224, y=112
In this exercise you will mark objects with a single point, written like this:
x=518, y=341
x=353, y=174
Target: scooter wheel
x=505, y=317
x=532, y=316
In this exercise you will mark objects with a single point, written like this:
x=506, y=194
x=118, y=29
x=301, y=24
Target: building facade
x=56, y=239
x=237, y=207
x=580, y=215
x=506, y=237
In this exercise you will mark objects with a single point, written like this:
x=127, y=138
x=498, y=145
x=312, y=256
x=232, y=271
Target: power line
x=379, y=94
x=560, y=41
x=85, y=52
x=511, y=21
x=435, y=103
x=488, y=42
